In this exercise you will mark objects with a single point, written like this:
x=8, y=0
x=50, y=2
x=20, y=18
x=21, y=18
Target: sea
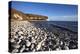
x=71, y=25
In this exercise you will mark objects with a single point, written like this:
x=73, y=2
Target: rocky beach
x=34, y=36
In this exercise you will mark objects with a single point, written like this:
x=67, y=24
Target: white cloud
x=63, y=18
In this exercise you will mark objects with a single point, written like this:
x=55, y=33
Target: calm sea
x=72, y=25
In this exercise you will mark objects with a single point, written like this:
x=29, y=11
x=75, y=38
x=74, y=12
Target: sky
x=55, y=12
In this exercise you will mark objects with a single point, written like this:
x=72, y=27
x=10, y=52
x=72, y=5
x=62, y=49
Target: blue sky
x=55, y=12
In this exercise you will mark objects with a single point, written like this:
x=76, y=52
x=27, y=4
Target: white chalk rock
x=33, y=40
x=15, y=51
x=19, y=41
x=21, y=37
x=28, y=43
x=12, y=40
x=20, y=32
x=16, y=46
x=22, y=49
x=66, y=47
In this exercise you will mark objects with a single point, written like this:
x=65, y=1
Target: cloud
x=63, y=18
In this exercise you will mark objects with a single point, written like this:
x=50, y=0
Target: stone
x=15, y=51
x=12, y=40
x=28, y=43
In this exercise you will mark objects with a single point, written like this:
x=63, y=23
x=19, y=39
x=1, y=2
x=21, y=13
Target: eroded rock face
x=40, y=36
x=16, y=15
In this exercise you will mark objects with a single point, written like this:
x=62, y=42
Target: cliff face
x=18, y=15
